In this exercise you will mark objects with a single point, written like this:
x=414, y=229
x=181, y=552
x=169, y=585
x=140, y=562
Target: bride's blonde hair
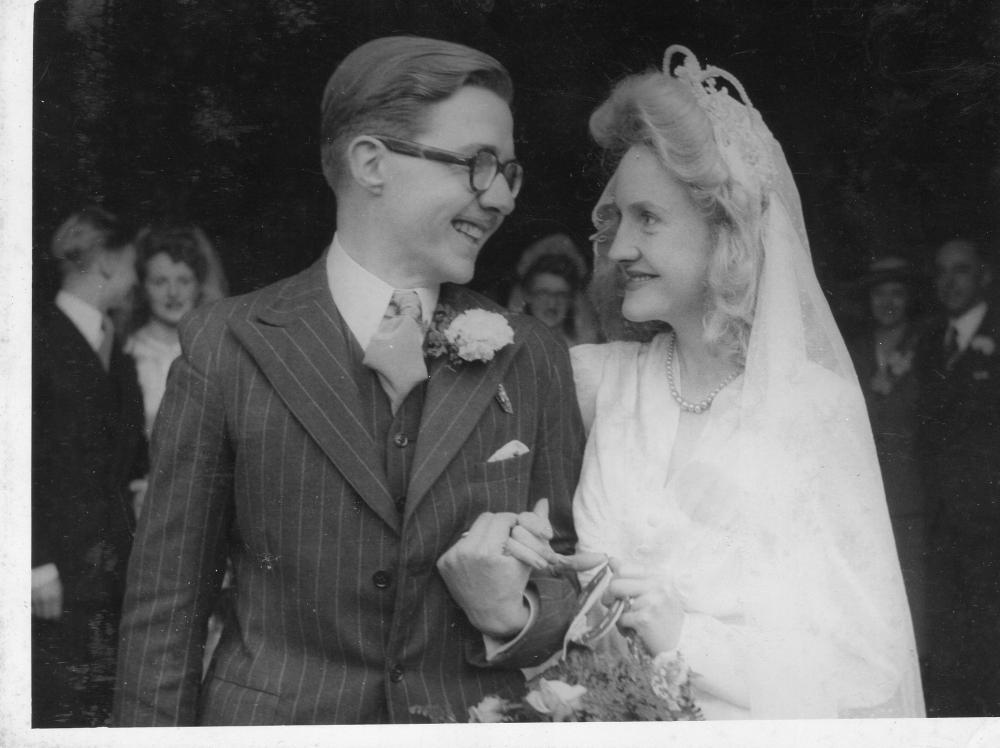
x=655, y=111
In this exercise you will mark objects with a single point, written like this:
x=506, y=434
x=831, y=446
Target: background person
x=959, y=438
x=178, y=270
x=173, y=270
x=551, y=272
x=87, y=445
x=884, y=358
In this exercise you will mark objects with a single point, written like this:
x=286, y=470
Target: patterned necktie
x=396, y=351
x=107, y=342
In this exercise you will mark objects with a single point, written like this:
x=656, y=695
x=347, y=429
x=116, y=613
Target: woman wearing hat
x=551, y=272
x=884, y=358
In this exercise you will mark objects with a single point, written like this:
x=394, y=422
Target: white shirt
x=967, y=324
x=85, y=318
x=362, y=297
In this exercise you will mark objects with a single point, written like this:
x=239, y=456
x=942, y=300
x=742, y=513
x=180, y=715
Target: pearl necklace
x=703, y=405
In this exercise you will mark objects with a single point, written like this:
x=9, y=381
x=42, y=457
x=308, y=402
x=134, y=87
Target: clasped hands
x=487, y=570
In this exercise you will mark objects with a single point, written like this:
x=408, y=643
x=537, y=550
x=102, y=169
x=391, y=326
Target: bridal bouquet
x=586, y=685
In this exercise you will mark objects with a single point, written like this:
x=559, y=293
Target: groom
x=376, y=504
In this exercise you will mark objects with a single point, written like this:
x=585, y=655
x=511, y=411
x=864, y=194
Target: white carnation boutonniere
x=983, y=344
x=473, y=335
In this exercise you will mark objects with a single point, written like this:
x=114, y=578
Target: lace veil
x=822, y=593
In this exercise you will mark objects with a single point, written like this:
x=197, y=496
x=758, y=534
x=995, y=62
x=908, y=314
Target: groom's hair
x=385, y=86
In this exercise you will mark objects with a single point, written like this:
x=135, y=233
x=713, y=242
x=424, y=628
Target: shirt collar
x=967, y=324
x=85, y=318
x=362, y=297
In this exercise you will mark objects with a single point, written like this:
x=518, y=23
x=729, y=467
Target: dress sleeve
x=588, y=370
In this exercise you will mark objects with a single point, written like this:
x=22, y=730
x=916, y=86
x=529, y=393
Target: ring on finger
x=628, y=603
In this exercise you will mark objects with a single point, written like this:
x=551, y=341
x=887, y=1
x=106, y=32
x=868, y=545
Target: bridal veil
x=821, y=591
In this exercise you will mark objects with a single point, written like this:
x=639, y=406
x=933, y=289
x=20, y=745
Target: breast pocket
x=513, y=468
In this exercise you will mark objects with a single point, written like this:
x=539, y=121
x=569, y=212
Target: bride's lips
x=635, y=278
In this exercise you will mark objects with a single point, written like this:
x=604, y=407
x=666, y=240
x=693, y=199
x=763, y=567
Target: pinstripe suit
x=268, y=449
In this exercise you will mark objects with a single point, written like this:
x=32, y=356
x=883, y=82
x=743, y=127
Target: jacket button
x=396, y=674
x=401, y=504
x=400, y=440
x=381, y=579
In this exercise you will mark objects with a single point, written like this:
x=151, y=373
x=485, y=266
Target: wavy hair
x=655, y=111
x=385, y=87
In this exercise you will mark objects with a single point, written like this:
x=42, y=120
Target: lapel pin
x=504, y=400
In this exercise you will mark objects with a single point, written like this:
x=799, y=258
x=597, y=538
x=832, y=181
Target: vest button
x=381, y=579
x=396, y=674
x=400, y=440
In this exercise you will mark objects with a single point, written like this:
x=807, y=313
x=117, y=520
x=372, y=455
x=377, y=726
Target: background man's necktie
x=950, y=346
x=107, y=342
x=396, y=351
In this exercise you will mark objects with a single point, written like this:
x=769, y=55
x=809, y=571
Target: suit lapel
x=987, y=328
x=302, y=345
x=455, y=400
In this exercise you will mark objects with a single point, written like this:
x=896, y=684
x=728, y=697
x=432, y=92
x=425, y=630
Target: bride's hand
x=650, y=610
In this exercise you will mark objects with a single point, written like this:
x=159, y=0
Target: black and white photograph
x=390, y=371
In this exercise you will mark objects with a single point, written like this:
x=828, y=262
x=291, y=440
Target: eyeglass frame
x=419, y=150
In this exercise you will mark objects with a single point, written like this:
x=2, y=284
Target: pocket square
x=509, y=451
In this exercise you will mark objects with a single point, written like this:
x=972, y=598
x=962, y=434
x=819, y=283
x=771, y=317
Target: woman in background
x=551, y=273
x=177, y=270
x=884, y=357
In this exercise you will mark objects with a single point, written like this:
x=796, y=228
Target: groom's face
x=439, y=223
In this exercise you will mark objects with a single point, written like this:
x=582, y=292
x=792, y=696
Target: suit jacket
x=87, y=445
x=960, y=426
x=266, y=450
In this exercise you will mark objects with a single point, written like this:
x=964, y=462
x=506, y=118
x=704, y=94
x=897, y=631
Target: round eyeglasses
x=483, y=166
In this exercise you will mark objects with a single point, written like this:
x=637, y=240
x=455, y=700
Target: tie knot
x=405, y=304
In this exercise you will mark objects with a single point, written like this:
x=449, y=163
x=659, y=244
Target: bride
x=730, y=472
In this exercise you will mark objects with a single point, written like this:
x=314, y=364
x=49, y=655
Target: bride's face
x=662, y=243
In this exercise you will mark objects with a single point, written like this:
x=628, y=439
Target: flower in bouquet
x=556, y=698
x=490, y=709
x=586, y=685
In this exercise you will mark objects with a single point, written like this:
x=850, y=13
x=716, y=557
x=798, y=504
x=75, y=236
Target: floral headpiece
x=742, y=137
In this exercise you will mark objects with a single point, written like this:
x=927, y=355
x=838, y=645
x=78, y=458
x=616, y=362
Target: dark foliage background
x=209, y=111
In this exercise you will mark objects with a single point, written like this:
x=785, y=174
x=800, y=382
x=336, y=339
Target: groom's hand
x=487, y=569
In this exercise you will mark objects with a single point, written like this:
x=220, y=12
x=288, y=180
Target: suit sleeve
x=554, y=476
x=178, y=559
x=45, y=471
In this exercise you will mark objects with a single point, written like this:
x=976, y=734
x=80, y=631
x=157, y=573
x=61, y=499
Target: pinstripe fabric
x=266, y=449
